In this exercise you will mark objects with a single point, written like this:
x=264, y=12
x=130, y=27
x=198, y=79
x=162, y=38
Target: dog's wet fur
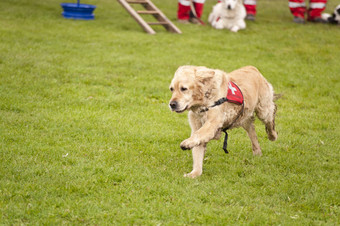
x=195, y=88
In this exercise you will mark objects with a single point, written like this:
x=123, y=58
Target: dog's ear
x=205, y=82
x=204, y=75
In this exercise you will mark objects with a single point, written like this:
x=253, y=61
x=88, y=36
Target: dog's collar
x=235, y=96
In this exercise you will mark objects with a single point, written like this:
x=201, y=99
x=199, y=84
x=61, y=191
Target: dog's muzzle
x=173, y=105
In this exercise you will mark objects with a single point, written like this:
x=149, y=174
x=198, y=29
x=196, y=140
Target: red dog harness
x=234, y=94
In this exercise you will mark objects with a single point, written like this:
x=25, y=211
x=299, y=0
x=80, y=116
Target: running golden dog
x=197, y=89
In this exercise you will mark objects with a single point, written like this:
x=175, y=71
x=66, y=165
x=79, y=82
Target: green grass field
x=86, y=135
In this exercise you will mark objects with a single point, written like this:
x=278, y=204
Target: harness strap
x=225, y=142
x=218, y=102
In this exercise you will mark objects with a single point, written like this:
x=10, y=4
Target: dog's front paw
x=234, y=29
x=189, y=143
x=257, y=152
x=219, y=25
x=193, y=174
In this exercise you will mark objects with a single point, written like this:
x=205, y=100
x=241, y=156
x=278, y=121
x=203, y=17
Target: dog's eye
x=183, y=89
x=171, y=89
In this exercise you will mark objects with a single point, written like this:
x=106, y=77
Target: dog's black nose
x=229, y=7
x=173, y=105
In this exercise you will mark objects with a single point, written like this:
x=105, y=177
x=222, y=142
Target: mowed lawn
x=86, y=135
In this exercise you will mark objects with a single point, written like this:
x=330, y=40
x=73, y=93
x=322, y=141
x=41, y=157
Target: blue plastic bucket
x=78, y=11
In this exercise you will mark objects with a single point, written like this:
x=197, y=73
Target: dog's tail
x=277, y=96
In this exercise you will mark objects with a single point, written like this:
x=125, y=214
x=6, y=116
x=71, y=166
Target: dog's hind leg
x=198, y=156
x=242, y=24
x=266, y=112
x=250, y=128
x=270, y=126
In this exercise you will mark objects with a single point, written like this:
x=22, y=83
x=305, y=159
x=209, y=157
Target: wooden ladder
x=151, y=9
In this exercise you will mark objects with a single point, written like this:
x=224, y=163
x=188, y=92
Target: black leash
x=225, y=142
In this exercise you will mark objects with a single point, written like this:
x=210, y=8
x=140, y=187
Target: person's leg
x=316, y=7
x=298, y=9
x=183, y=11
x=250, y=6
x=199, y=4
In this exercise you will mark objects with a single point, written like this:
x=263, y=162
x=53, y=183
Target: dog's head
x=189, y=87
x=230, y=4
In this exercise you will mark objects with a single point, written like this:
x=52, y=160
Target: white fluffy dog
x=228, y=14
